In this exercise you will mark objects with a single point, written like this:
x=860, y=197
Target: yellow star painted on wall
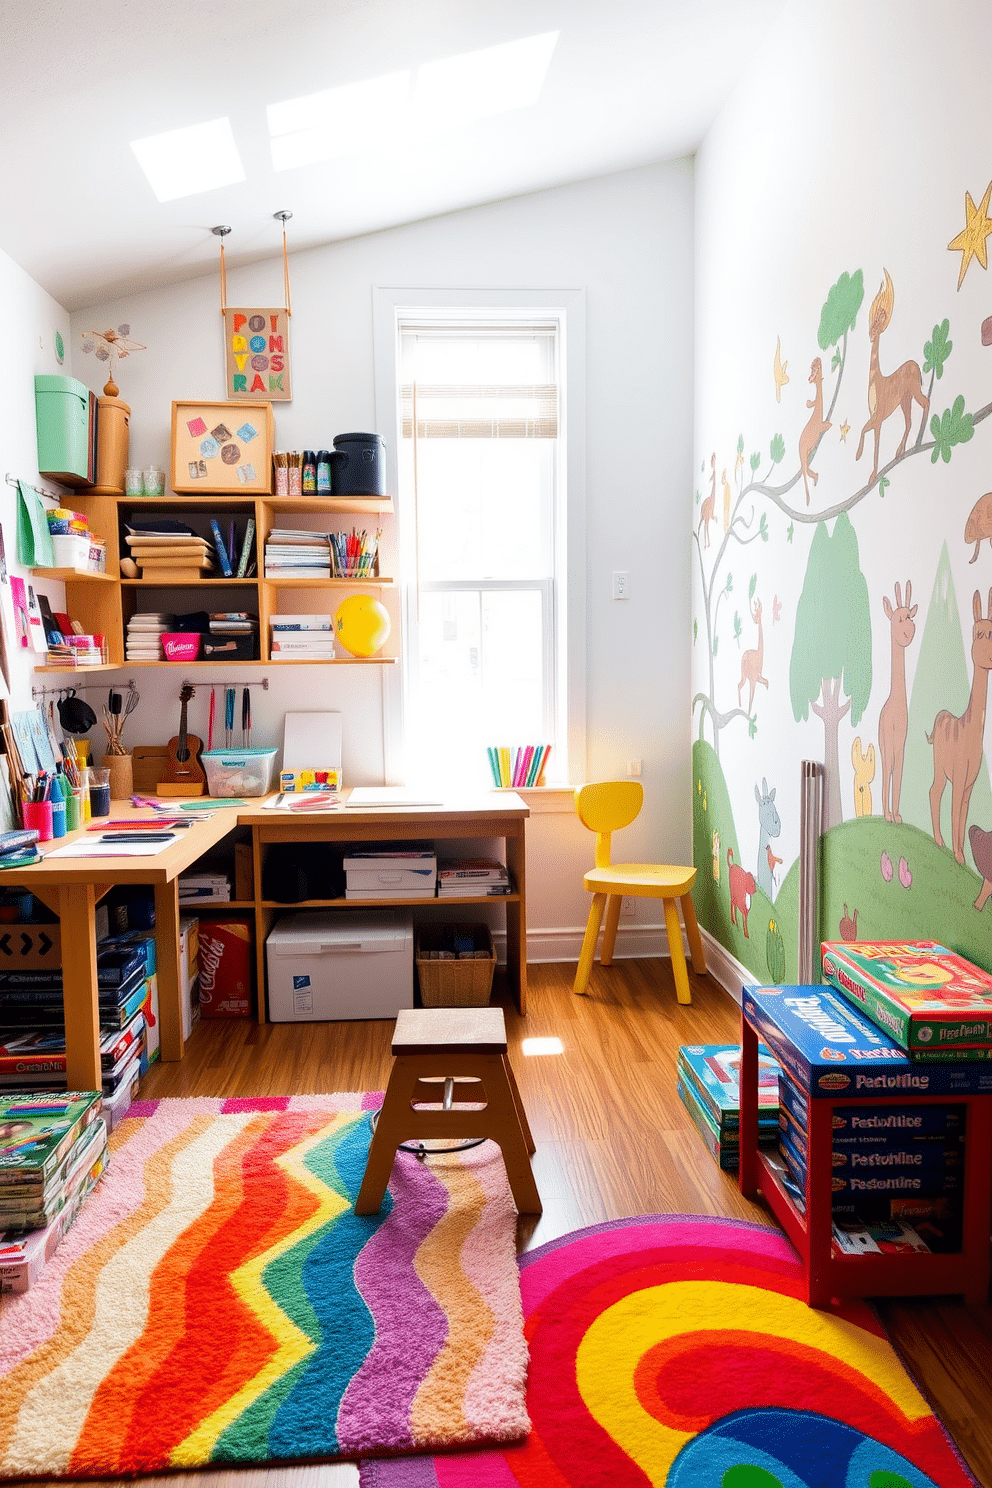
x=970, y=241
x=845, y=429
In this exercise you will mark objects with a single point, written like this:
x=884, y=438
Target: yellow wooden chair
x=605, y=808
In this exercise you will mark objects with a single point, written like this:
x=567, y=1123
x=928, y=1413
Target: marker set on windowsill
x=520, y=767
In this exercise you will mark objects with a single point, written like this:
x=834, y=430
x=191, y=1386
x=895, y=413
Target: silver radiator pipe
x=810, y=818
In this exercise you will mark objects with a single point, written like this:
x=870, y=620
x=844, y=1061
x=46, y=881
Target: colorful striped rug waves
x=218, y=1300
x=676, y=1350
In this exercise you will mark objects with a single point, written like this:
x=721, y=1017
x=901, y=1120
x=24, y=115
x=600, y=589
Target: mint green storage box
x=62, y=411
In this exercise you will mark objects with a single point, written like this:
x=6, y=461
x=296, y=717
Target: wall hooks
x=12, y=480
x=67, y=687
x=204, y=683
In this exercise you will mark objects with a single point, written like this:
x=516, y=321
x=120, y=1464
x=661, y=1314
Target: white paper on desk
x=100, y=849
x=363, y=796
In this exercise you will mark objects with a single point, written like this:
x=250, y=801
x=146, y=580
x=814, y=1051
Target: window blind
x=495, y=410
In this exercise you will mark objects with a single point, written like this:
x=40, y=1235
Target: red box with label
x=226, y=953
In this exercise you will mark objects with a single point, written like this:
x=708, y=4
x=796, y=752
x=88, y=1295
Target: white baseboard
x=565, y=944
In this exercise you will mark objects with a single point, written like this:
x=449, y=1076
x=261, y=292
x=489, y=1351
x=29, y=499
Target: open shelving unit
x=105, y=602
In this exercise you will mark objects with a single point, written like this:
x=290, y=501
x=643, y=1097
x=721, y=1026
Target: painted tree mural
x=830, y=670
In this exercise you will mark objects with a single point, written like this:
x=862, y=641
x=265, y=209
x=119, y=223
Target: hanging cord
x=284, y=217
x=222, y=232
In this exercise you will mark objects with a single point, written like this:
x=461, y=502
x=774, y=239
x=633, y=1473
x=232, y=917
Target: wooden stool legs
x=502, y=1119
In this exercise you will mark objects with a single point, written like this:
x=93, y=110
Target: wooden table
x=72, y=888
x=491, y=814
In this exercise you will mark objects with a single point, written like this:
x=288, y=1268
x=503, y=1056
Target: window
x=482, y=481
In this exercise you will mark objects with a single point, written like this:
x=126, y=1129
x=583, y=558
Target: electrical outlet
x=626, y=908
x=634, y=769
x=621, y=583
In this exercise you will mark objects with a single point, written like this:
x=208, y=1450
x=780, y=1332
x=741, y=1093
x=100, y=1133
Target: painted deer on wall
x=815, y=428
x=751, y=661
x=894, y=717
x=901, y=389
x=958, y=743
x=707, y=512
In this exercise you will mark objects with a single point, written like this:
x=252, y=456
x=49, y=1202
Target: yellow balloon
x=362, y=624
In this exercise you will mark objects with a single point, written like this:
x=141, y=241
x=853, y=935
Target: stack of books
x=170, y=557
x=391, y=870
x=471, y=877
x=204, y=888
x=143, y=641
x=292, y=553
x=53, y=1149
x=32, y=1024
x=302, y=637
x=708, y=1086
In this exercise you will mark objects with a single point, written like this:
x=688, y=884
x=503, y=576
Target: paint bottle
x=323, y=473
x=309, y=473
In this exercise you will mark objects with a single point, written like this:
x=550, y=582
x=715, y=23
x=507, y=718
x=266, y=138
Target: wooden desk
x=72, y=888
x=495, y=814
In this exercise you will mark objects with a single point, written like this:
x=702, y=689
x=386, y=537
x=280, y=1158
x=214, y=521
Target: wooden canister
x=121, y=776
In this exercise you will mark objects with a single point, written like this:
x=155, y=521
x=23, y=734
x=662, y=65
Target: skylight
x=185, y=161
x=338, y=121
x=477, y=85
x=445, y=94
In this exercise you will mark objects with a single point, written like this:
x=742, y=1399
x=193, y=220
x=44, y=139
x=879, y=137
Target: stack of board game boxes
x=53, y=1149
x=32, y=1023
x=908, y=1017
x=708, y=1086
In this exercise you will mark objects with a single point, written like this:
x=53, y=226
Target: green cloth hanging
x=34, y=541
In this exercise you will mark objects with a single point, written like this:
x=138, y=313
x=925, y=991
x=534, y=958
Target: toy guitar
x=183, y=774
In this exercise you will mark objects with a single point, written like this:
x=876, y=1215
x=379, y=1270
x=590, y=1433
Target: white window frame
x=391, y=305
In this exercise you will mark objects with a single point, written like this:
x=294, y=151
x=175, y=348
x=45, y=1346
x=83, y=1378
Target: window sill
x=558, y=800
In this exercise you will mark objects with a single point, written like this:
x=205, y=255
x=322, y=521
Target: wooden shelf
x=186, y=584
x=340, y=505
x=82, y=671
x=290, y=505
x=74, y=575
x=332, y=661
x=373, y=582
x=400, y=903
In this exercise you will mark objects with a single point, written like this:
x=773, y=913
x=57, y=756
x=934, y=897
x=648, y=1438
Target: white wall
x=625, y=239
x=31, y=320
x=849, y=146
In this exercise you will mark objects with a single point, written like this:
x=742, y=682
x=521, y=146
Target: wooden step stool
x=466, y=1049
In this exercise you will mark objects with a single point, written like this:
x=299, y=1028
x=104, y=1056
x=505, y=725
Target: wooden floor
x=612, y=1140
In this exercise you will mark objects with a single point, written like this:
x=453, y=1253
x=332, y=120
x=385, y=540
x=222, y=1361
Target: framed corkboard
x=221, y=447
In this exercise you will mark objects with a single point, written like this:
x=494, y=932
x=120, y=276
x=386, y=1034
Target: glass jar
x=134, y=482
x=154, y=481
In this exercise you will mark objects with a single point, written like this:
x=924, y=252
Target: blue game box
x=832, y=1051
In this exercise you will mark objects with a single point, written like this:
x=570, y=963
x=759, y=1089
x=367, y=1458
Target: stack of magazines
x=466, y=878
x=293, y=553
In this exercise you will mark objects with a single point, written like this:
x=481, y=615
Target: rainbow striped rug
x=218, y=1301
x=676, y=1350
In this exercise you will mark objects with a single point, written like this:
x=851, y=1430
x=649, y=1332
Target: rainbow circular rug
x=676, y=1350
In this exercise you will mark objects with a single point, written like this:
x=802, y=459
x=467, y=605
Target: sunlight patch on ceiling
x=183, y=162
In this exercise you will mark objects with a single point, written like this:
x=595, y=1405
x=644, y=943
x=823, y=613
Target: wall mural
x=907, y=815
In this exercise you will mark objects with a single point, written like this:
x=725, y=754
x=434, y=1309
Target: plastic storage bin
x=464, y=980
x=62, y=410
x=330, y=964
x=180, y=645
x=239, y=772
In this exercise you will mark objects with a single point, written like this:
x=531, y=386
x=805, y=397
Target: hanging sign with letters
x=256, y=354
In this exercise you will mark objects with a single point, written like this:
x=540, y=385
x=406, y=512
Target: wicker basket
x=462, y=982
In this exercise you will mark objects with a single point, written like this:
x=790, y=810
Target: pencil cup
x=99, y=790
x=38, y=815
x=74, y=810
x=59, y=816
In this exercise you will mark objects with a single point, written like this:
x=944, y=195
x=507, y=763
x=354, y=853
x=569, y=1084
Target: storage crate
x=180, y=645
x=461, y=981
x=238, y=772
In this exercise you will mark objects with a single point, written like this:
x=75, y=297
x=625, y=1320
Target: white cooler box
x=329, y=964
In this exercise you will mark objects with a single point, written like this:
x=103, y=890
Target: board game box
x=36, y=1131
x=923, y=995
x=831, y=1050
x=711, y=1071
